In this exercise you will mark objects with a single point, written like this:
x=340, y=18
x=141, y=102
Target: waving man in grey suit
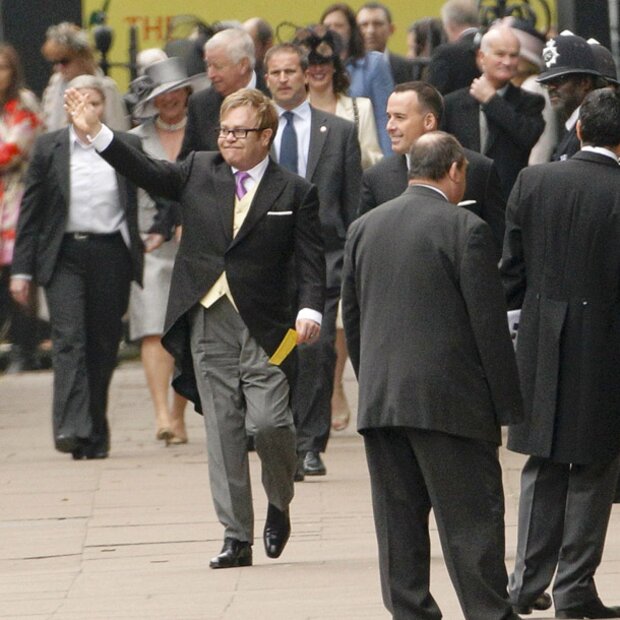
x=425, y=322
x=324, y=149
x=251, y=236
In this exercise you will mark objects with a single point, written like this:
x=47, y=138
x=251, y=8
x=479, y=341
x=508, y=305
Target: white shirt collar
x=74, y=140
x=252, y=82
x=436, y=189
x=257, y=172
x=572, y=119
x=601, y=150
x=302, y=110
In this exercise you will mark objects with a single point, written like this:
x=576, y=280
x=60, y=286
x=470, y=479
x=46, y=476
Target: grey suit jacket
x=387, y=179
x=334, y=166
x=45, y=208
x=425, y=320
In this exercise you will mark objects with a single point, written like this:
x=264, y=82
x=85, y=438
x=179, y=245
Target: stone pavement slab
x=130, y=537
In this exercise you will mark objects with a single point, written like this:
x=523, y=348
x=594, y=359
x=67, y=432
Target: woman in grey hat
x=164, y=104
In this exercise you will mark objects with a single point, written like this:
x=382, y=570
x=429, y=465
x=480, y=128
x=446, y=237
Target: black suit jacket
x=561, y=266
x=425, y=320
x=402, y=68
x=387, y=179
x=514, y=122
x=453, y=65
x=334, y=166
x=278, y=244
x=568, y=145
x=45, y=208
x=203, y=119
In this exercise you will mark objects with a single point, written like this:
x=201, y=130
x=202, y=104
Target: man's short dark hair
x=429, y=97
x=599, y=117
x=377, y=5
x=290, y=48
x=433, y=154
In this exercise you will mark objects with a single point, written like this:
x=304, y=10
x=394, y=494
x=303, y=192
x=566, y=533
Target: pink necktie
x=240, y=179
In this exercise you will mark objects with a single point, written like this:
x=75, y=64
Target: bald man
x=492, y=116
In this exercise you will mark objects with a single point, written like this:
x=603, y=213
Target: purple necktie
x=240, y=179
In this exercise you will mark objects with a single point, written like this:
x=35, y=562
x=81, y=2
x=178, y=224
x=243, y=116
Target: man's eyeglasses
x=238, y=132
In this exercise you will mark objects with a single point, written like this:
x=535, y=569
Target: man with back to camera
x=561, y=266
x=250, y=267
x=425, y=322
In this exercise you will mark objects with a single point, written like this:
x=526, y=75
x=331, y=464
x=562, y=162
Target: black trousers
x=87, y=297
x=314, y=384
x=412, y=471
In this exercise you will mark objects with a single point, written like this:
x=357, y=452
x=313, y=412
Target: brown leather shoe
x=234, y=553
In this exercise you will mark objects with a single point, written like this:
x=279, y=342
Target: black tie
x=288, y=146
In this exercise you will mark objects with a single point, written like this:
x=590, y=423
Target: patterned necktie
x=288, y=146
x=240, y=179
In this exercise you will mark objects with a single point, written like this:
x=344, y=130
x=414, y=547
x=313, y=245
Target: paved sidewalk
x=130, y=537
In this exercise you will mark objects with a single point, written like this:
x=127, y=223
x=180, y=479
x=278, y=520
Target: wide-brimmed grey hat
x=567, y=54
x=163, y=77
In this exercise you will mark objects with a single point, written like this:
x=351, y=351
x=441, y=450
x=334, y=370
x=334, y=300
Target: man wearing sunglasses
x=250, y=268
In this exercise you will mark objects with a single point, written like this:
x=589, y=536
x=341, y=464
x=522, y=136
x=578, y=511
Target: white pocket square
x=279, y=213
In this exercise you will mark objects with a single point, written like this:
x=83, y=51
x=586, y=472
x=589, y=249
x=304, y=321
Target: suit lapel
x=266, y=194
x=318, y=136
x=224, y=188
x=62, y=164
x=512, y=96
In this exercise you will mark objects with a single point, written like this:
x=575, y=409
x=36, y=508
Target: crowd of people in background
x=339, y=125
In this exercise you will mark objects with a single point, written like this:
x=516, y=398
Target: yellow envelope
x=285, y=347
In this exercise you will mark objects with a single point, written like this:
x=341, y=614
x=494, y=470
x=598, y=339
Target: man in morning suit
x=324, y=149
x=571, y=73
x=413, y=109
x=375, y=23
x=425, y=322
x=492, y=116
x=249, y=268
x=561, y=266
x=83, y=247
x=229, y=56
x=453, y=64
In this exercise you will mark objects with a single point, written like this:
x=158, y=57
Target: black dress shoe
x=277, y=531
x=592, y=609
x=88, y=453
x=299, y=470
x=542, y=602
x=67, y=443
x=234, y=553
x=313, y=464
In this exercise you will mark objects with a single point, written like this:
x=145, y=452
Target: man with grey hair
x=422, y=303
x=230, y=59
x=491, y=115
x=453, y=64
